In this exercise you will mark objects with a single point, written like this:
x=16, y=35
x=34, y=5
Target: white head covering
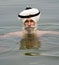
x=29, y=12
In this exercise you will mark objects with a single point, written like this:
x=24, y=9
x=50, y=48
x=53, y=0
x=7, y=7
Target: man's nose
x=29, y=23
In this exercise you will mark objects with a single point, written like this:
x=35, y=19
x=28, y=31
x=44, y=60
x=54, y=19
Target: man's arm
x=51, y=32
x=40, y=33
x=18, y=33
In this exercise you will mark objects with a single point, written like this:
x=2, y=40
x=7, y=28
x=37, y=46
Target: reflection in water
x=32, y=54
x=29, y=41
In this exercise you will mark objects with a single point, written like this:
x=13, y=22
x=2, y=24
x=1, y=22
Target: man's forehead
x=28, y=19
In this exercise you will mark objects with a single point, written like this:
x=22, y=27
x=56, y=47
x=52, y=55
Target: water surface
x=9, y=49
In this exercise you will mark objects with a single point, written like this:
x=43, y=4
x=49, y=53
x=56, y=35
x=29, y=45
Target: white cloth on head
x=28, y=12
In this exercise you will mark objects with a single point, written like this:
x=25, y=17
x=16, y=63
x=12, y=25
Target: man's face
x=29, y=24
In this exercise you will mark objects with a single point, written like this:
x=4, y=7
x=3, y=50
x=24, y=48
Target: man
x=29, y=17
x=27, y=14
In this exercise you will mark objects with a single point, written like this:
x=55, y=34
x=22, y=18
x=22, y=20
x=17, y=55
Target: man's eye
x=31, y=21
x=26, y=21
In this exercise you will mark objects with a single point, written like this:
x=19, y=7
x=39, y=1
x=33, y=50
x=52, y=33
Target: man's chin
x=30, y=30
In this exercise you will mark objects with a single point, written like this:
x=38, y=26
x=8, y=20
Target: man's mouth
x=29, y=29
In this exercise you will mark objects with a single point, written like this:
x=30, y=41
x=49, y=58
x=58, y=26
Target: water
x=9, y=49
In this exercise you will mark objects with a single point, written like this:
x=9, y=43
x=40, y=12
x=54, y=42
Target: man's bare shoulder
x=17, y=33
x=40, y=32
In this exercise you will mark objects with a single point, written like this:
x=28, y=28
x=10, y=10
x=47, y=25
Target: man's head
x=29, y=25
x=29, y=17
